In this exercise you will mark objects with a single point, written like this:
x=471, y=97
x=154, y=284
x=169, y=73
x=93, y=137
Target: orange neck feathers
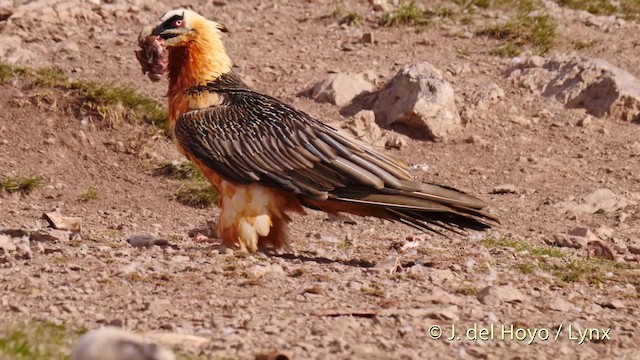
x=202, y=60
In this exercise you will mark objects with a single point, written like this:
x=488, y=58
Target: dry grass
x=21, y=184
x=108, y=102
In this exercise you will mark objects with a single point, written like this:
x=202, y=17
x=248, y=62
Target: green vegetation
x=107, y=101
x=194, y=189
x=20, y=184
x=374, y=289
x=349, y=17
x=628, y=9
x=36, y=341
x=463, y=51
x=539, y=31
x=520, y=5
x=506, y=50
x=519, y=246
x=196, y=194
x=589, y=271
x=179, y=170
x=89, y=195
x=406, y=14
x=583, y=44
x=466, y=290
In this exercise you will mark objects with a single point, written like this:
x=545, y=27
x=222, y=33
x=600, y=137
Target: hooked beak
x=169, y=35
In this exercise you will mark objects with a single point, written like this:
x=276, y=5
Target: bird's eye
x=179, y=23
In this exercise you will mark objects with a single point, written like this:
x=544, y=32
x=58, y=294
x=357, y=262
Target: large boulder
x=579, y=82
x=339, y=88
x=420, y=98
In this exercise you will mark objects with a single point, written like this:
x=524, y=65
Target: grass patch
x=506, y=50
x=21, y=184
x=36, y=341
x=590, y=271
x=466, y=290
x=343, y=16
x=526, y=268
x=374, y=289
x=441, y=12
x=406, y=14
x=463, y=51
x=9, y=72
x=184, y=170
x=519, y=246
x=539, y=31
x=520, y=5
x=89, y=195
x=107, y=101
x=628, y=9
x=583, y=44
x=198, y=195
x=194, y=189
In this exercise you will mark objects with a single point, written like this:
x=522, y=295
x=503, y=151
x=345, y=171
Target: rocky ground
x=550, y=142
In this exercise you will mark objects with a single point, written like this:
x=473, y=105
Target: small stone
x=381, y=5
x=395, y=142
x=491, y=295
x=560, y=304
x=390, y=265
x=113, y=343
x=6, y=244
x=519, y=119
x=367, y=38
x=488, y=96
x=604, y=232
x=505, y=189
x=338, y=89
x=440, y=276
x=57, y=221
x=586, y=121
x=50, y=235
x=146, y=241
x=575, y=242
x=363, y=126
x=634, y=247
x=613, y=304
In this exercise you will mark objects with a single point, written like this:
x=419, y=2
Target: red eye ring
x=179, y=23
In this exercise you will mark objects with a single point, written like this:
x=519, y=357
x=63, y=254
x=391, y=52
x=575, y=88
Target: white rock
x=13, y=50
x=560, y=304
x=493, y=295
x=419, y=97
x=363, y=126
x=579, y=82
x=634, y=247
x=111, y=343
x=440, y=276
x=395, y=142
x=339, y=89
x=6, y=244
x=489, y=95
x=601, y=200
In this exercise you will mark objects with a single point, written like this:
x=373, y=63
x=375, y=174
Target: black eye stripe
x=170, y=23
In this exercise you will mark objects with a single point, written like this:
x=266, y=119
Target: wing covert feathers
x=253, y=138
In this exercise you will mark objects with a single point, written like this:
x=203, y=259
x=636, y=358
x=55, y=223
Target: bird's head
x=180, y=27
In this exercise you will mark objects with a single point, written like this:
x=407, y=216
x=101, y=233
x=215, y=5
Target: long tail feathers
x=426, y=207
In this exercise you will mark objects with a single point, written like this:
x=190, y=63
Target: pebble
x=491, y=295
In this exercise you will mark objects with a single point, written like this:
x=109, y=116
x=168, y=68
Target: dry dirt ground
x=326, y=299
